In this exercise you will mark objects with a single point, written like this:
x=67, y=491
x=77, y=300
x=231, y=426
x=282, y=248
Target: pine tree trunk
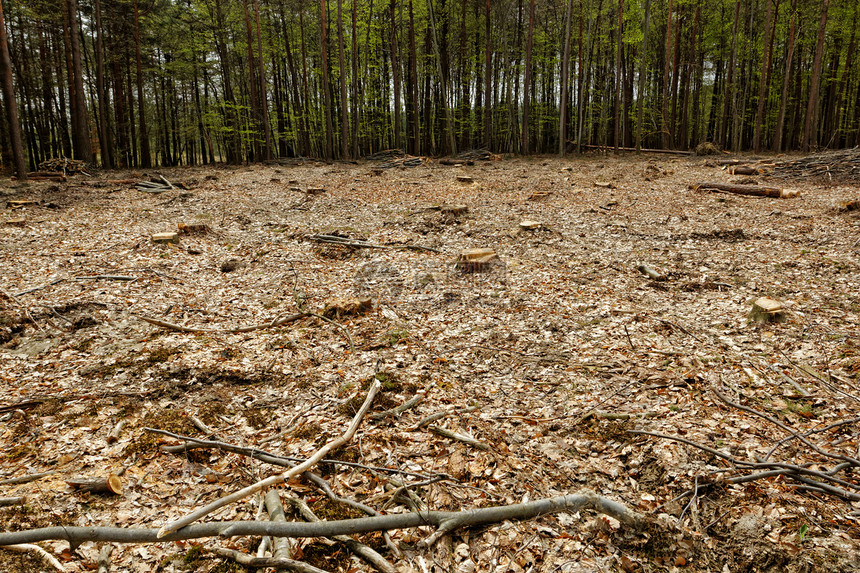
x=263, y=100
x=344, y=108
x=618, y=86
x=565, y=77
x=395, y=70
x=80, y=132
x=764, y=77
x=642, y=69
x=488, y=86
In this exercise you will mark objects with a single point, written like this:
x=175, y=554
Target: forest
x=135, y=83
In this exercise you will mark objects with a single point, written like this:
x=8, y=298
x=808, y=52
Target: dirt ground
x=547, y=356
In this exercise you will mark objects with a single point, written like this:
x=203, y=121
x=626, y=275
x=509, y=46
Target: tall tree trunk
x=356, y=81
x=105, y=141
x=643, y=66
x=145, y=159
x=395, y=70
x=488, y=78
x=443, y=76
x=81, y=135
x=263, y=100
x=810, y=127
x=527, y=84
x=764, y=77
x=731, y=85
x=256, y=114
x=413, y=84
x=565, y=79
x=11, y=103
x=786, y=80
x=329, y=128
x=344, y=107
x=618, y=86
x=664, y=108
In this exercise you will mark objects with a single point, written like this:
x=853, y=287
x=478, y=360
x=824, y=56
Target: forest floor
x=548, y=356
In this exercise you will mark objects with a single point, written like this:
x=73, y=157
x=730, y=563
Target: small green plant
x=802, y=534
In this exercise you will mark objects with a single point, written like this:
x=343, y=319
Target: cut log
x=165, y=238
x=111, y=484
x=766, y=309
x=346, y=307
x=18, y=203
x=754, y=190
x=604, y=184
x=315, y=191
x=10, y=501
x=41, y=176
x=193, y=228
x=643, y=150
x=453, y=210
x=455, y=162
x=16, y=222
x=475, y=260
x=528, y=225
x=465, y=179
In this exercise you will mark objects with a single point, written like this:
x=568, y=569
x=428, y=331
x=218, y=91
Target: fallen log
x=754, y=190
x=111, y=484
x=445, y=520
x=643, y=150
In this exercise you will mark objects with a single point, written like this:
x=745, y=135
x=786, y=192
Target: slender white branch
x=279, y=478
x=28, y=548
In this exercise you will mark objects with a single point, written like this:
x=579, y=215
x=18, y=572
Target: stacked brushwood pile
x=63, y=165
x=842, y=165
x=386, y=155
x=479, y=155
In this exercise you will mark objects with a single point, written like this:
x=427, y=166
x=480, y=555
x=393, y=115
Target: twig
x=692, y=500
x=26, y=478
x=280, y=478
x=280, y=321
x=359, y=244
x=44, y=286
x=106, y=277
x=340, y=326
x=356, y=547
x=9, y=501
x=679, y=327
x=22, y=307
x=629, y=341
x=28, y=548
x=264, y=456
x=399, y=409
x=459, y=437
x=438, y=416
x=104, y=559
x=794, y=434
x=262, y=562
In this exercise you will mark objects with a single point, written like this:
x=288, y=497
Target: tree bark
x=642, y=69
x=145, y=159
x=488, y=79
x=524, y=143
x=764, y=77
x=786, y=81
x=810, y=127
x=618, y=87
x=329, y=128
x=11, y=103
x=565, y=78
x=83, y=146
x=344, y=107
x=105, y=140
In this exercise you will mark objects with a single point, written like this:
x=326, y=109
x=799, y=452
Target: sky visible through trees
x=136, y=83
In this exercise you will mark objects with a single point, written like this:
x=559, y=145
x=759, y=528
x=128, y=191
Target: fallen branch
x=459, y=438
x=280, y=321
x=399, y=409
x=10, y=501
x=280, y=478
x=355, y=546
x=28, y=548
x=360, y=244
x=754, y=190
x=34, y=289
x=264, y=456
x=340, y=326
x=280, y=545
x=447, y=520
x=27, y=478
x=263, y=562
x=104, y=559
